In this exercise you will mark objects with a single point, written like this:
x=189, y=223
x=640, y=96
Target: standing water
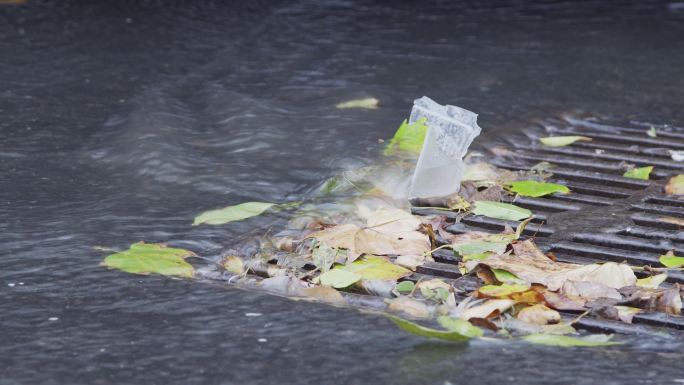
x=121, y=121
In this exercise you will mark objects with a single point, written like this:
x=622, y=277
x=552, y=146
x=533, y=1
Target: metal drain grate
x=606, y=218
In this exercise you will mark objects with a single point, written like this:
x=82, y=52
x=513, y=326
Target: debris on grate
x=586, y=199
x=608, y=217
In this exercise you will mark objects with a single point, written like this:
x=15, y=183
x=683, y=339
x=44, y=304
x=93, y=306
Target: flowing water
x=120, y=121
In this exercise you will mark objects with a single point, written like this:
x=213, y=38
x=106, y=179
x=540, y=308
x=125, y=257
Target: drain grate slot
x=660, y=246
x=651, y=233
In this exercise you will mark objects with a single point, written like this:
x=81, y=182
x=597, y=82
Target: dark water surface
x=121, y=121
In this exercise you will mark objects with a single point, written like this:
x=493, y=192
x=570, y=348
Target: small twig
x=415, y=286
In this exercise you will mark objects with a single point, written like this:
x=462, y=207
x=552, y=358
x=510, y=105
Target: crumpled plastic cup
x=440, y=166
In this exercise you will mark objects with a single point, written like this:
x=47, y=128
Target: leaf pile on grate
x=370, y=244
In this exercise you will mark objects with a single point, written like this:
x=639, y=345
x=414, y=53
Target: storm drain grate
x=607, y=217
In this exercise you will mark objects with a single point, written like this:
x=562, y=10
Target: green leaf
x=475, y=257
x=146, y=258
x=460, y=326
x=232, y=213
x=560, y=141
x=500, y=210
x=476, y=249
x=652, y=282
x=408, y=138
x=532, y=188
x=368, y=103
x=671, y=261
x=339, y=278
x=566, y=341
x=501, y=291
x=507, y=277
x=372, y=267
x=404, y=287
x=639, y=173
x=423, y=331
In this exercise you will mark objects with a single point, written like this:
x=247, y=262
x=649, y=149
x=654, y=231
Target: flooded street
x=123, y=121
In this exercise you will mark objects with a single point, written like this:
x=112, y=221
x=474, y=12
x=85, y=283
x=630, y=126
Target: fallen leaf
x=423, y=331
x=486, y=309
x=670, y=260
x=675, y=186
x=670, y=302
x=234, y=264
x=324, y=256
x=460, y=326
x=653, y=281
x=339, y=278
x=665, y=300
x=562, y=302
x=531, y=265
x=404, y=287
x=611, y=274
x=409, y=306
x=566, y=341
x=500, y=210
x=589, y=290
x=372, y=267
x=626, y=313
x=532, y=188
x=368, y=103
x=411, y=262
x=652, y=132
x=477, y=249
x=501, y=291
x=475, y=257
x=539, y=314
x=378, y=287
x=146, y=258
x=388, y=232
x=408, y=138
x=639, y=173
x=504, y=276
x=560, y=141
x=232, y=213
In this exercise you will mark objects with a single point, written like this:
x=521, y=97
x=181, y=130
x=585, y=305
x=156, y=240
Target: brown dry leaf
x=412, y=261
x=531, y=265
x=562, y=302
x=589, y=290
x=434, y=284
x=611, y=274
x=626, y=313
x=409, y=306
x=486, y=309
x=387, y=232
x=325, y=294
x=670, y=302
x=539, y=315
x=665, y=300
